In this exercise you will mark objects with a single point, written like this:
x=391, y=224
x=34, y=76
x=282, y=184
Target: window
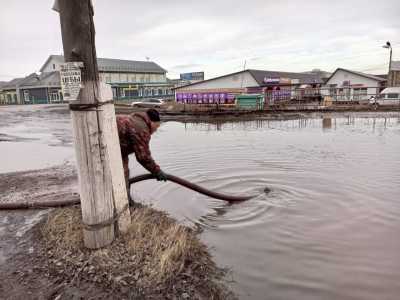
x=332, y=90
x=359, y=93
x=54, y=66
x=54, y=96
x=392, y=96
x=131, y=93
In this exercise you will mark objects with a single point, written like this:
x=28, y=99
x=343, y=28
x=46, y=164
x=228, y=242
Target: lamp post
x=389, y=46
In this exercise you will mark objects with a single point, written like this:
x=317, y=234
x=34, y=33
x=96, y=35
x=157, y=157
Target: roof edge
x=218, y=77
x=356, y=73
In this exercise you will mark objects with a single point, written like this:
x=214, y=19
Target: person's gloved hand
x=161, y=176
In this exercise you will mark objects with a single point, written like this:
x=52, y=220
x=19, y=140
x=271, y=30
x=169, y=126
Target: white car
x=389, y=96
x=149, y=103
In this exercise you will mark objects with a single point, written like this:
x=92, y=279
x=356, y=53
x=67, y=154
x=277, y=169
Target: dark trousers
x=125, y=163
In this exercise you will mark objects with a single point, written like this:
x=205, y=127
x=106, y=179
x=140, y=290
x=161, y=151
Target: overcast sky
x=215, y=36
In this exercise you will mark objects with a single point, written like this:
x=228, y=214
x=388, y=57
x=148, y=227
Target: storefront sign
x=271, y=80
x=205, y=98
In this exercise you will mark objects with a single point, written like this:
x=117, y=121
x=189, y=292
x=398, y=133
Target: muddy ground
x=34, y=266
x=19, y=251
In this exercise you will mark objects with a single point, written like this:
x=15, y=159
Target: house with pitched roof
x=348, y=85
x=8, y=92
x=32, y=89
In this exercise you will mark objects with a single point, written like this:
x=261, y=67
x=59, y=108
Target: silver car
x=148, y=103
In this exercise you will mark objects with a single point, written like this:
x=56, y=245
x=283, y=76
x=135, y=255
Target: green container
x=250, y=101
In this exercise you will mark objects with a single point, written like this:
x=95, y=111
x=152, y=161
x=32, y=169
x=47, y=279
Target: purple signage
x=205, y=98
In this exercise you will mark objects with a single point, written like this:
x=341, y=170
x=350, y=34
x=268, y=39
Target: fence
x=317, y=95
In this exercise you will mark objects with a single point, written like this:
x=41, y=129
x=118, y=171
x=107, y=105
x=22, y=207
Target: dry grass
x=157, y=255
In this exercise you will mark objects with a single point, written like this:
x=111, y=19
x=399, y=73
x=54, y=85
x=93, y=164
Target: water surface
x=329, y=227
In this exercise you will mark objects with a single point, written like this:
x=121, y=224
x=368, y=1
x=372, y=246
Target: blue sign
x=192, y=76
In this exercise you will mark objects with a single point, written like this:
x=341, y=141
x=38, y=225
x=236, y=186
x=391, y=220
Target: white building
x=347, y=85
x=223, y=89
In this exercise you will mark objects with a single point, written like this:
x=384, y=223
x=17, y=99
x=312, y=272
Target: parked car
x=389, y=96
x=148, y=103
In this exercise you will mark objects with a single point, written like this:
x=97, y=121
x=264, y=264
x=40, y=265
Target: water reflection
x=325, y=123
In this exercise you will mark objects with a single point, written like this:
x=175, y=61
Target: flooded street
x=328, y=229
x=34, y=137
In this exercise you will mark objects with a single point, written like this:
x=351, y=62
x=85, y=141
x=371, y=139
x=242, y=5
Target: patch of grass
x=157, y=257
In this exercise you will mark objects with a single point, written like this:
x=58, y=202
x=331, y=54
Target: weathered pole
x=101, y=180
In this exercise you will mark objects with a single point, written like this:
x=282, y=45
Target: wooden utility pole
x=103, y=195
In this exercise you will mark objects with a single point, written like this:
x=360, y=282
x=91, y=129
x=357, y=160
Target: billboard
x=192, y=76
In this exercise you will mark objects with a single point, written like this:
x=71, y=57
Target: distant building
x=320, y=73
x=8, y=92
x=178, y=82
x=394, y=74
x=33, y=89
x=129, y=79
x=223, y=89
x=348, y=85
x=192, y=77
x=39, y=89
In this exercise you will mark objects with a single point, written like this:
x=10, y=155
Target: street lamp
x=389, y=46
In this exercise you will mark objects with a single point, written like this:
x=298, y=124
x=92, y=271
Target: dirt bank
x=156, y=259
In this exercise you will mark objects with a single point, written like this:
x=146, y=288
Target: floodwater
x=328, y=229
x=34, y=137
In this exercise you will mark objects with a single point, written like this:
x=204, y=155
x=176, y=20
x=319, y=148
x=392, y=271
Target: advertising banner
x=205, y=98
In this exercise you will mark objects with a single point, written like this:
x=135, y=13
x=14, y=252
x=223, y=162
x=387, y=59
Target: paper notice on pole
x=71, y=80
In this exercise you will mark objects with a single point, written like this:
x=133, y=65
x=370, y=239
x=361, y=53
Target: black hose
x=74, y=199
x=192, y=186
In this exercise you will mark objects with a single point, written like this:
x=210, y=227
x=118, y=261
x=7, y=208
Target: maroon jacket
x=134, y=133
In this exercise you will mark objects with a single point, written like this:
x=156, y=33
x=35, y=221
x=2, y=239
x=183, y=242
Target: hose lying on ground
x=41, y=204
x=74, y=198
